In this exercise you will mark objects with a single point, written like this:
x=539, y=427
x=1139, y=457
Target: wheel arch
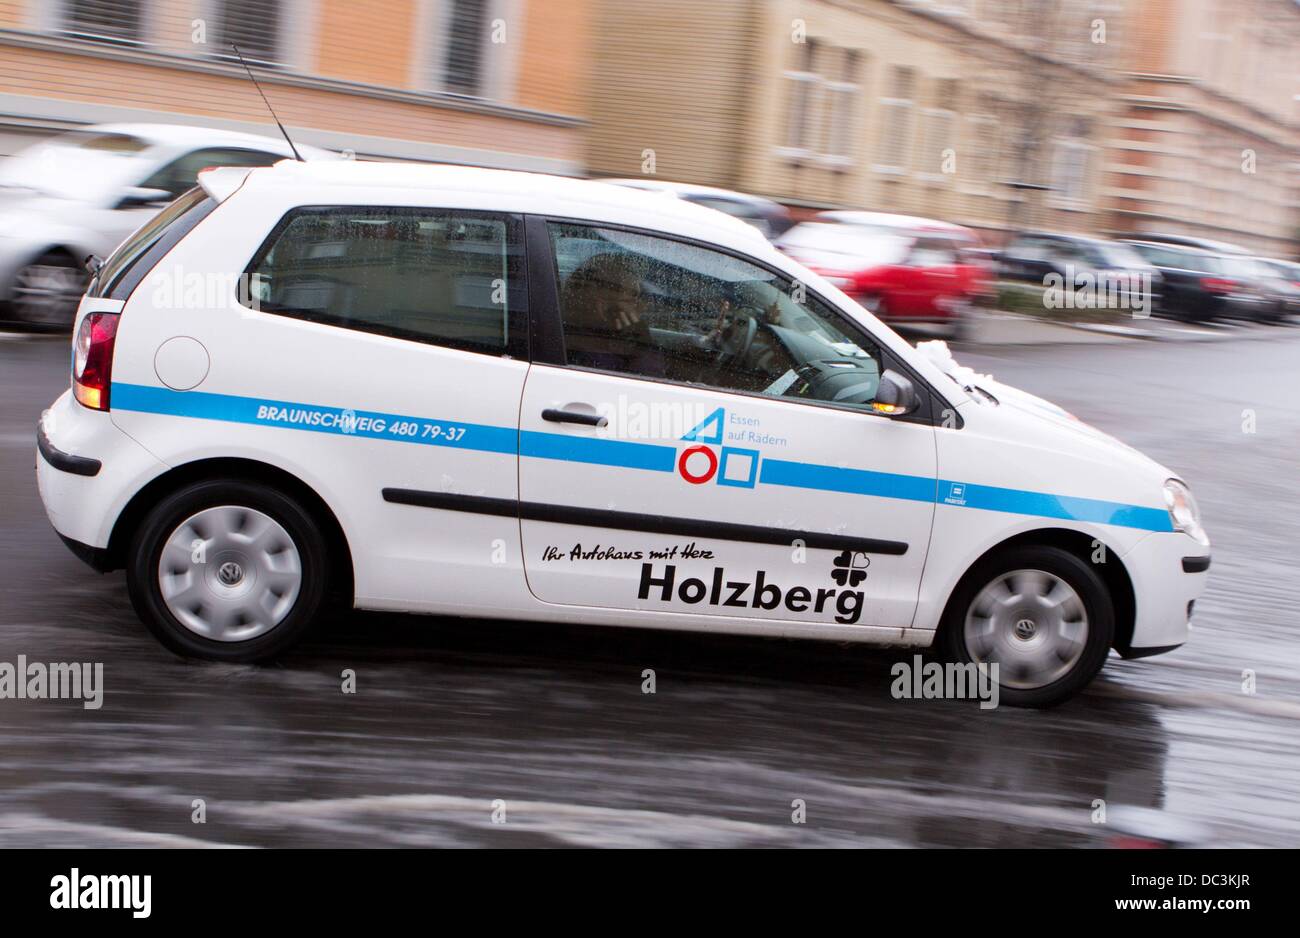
x=1112, y=572
x=133, y=514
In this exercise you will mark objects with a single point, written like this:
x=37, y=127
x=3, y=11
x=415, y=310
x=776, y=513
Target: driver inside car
x=603, y=306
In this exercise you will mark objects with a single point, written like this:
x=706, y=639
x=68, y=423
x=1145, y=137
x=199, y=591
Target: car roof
x=1166, y=245
x=891, y=220
x=1221, y=247
x=184, y=135
x=686, y=188
x=510, y=191
x=1064, y=236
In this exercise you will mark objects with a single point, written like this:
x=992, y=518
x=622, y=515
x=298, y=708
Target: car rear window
x=452, y=278
x=138, y=254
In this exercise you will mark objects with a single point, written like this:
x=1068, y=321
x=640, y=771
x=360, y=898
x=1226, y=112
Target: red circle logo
x=703, y=477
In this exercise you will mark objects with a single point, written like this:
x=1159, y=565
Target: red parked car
x=902, y=268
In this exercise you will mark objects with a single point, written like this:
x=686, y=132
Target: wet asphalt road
x=452, y=715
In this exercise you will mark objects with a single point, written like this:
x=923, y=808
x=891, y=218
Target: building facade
x=488, y=82
x=1088, y=116
x=1207, y=135
x=985, y=112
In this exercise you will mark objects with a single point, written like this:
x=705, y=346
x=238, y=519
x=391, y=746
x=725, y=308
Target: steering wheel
x=726, y=355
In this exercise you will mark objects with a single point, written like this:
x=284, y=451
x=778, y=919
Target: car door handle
x=574, y=416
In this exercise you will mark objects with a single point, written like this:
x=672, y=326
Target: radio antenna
x=296, y=155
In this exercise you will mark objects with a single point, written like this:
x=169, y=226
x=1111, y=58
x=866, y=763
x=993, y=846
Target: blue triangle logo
x=699, y=433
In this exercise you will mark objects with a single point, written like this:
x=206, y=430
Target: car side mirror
x=136, y=197
x=895, y=397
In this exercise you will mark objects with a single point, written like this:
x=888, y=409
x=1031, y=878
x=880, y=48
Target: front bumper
x=1169, y=572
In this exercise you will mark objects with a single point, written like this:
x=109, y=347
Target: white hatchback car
x=482, y=393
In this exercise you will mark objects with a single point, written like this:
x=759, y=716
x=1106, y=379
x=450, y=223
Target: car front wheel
x=1040, y=615
x=228, y=571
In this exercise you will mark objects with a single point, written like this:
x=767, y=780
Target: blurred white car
x=82, y=193
x=771, y=218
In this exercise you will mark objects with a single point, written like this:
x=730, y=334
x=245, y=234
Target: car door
x=697, y=436
x=936, y=261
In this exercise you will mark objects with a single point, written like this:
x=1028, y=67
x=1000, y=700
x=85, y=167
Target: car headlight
x=1183, y=511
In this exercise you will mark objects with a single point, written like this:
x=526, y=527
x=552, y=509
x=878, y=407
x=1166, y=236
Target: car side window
x=932, y=252
x=446, y=277
x=651, y=307
x=179, y=175
x=1029, y=249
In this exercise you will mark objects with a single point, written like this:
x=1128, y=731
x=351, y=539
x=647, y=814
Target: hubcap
x=47, y=293
x=230, y=573
x=1031, y=624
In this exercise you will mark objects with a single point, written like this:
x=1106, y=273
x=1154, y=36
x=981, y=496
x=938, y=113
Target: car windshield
x=1120, y=255
x=80, y=166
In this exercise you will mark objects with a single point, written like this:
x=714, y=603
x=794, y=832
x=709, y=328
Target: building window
x=979, y=171
x=464, y=37
x=253, y=25
x=821, y=96
x=841, y=100
x=939, y=131
x=801, y=100
x=103, y=20
x=896, y=124
x=1071, y=166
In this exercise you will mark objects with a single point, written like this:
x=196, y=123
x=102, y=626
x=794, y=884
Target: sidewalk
x=998, y=328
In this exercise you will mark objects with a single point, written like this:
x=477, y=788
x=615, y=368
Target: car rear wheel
x=47, y=291
x=228, y=571
x=1041, y=615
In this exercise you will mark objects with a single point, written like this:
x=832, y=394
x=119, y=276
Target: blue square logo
x=739, y=467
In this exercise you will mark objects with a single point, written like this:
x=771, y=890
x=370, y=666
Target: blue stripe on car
x=628, y=455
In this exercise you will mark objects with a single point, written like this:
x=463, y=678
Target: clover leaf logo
x=850, y=568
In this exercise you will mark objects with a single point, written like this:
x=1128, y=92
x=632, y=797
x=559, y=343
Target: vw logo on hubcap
x=230, y=573
x=1025, y=629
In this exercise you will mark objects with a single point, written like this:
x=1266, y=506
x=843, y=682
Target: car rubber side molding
x=1196, y=564
x=65, y=462
x=634, y=521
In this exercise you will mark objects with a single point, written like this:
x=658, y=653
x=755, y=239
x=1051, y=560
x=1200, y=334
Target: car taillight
x=92, y=359
x=1218, y=284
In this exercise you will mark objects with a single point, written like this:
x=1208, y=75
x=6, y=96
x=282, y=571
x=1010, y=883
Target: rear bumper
x=64, y=462
x=87, y=470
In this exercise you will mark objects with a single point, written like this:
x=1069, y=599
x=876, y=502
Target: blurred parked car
x=1200, y=285
x=1290, y=270
x=84, y=192
x=1280, y=297
x=1282, y=280
x=767, y=216
x=903, y=268
x=1279, y=292
x=1128, y=277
